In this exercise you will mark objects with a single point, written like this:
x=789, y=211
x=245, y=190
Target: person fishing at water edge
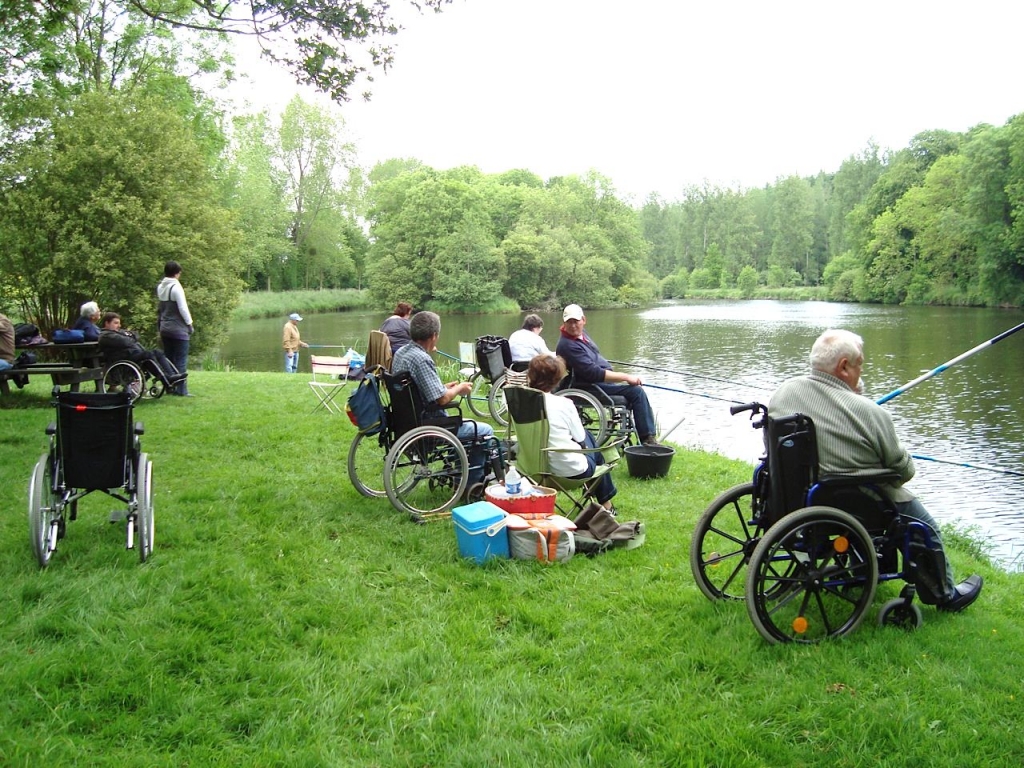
x=856, y=436
x=292, y=342
x=584, y=359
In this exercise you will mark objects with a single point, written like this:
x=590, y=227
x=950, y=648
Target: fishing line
x=685, y=373
x=968, y=465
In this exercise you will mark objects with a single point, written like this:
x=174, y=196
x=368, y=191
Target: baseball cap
x=572, y=312
x=294, y=316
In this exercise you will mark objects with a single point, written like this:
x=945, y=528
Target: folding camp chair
x=378, y=351
x=333, y=373
x=528, y=416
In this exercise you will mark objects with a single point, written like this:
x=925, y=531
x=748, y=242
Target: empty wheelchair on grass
x=417, y=460
x=94, y=446
x=807, y=551
x=487, y=376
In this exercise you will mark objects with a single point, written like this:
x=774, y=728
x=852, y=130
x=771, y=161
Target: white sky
x=661, y=94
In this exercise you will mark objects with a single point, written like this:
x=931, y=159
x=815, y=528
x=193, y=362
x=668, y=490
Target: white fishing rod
x=949, y=364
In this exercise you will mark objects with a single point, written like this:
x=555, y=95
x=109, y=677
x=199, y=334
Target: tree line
x=113, y=160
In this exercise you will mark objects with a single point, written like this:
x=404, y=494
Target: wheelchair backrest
x=406, y=409
x=792, y=450
x=94, y=439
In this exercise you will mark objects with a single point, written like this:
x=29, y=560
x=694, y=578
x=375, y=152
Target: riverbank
x=285, y=620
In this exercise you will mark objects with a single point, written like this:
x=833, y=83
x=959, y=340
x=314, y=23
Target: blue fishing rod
x=949, y=364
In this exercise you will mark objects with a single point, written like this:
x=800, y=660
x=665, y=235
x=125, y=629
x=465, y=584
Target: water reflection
x=700, y=356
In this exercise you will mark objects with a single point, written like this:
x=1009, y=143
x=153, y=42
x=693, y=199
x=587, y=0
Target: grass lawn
x=284, y=620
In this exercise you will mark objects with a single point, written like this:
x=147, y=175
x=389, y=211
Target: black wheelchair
x=94, y=446
x=807, y=551
x=426, y=469
x=607, y=417
x=144, y=378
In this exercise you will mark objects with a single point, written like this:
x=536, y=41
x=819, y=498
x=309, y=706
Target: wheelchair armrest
x=851, y=481
x=139, y=428
x=51, y=428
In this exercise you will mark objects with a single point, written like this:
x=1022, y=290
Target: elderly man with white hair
x=856, y=436
x=88, y=316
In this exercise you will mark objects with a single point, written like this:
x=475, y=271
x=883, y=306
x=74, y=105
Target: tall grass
x=256, y=304
x=284, y=620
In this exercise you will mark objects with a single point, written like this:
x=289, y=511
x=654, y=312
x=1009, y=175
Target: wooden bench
x=62, y=374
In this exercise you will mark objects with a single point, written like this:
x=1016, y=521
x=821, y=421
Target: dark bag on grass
x=365, y=409
x=597, y=530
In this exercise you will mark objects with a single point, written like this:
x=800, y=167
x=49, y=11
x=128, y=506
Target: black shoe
x=175, y=378
x=965, y=593
x=650, y=440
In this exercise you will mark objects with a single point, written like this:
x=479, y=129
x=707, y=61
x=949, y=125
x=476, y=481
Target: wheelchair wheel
x=901, y=613
x=156, y=389
x=496, y=401
x=592, y=413
x=426, y=472
x=812, y=576
x=477, y=398
x=124, y=376
x=145, y=532
x=366, y=465
x=723, y=541
x=44, y=521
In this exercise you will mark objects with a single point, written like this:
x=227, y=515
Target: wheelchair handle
x=755, y=407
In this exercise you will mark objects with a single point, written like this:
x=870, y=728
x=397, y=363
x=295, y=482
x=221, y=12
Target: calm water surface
x=699, y=358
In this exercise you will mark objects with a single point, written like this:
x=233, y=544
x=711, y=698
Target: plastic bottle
x=513, y=481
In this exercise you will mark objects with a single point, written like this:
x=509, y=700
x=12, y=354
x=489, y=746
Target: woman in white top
x=526, y=343
x=565, y=430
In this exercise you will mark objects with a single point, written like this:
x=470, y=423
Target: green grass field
x=284, y=620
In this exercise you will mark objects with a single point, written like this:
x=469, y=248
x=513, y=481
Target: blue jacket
x=583, y=359
x=87, y=327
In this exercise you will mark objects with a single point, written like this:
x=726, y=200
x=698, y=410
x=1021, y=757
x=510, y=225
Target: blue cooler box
x=480, y=531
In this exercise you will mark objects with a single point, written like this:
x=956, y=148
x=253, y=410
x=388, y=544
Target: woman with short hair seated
x=565, y=430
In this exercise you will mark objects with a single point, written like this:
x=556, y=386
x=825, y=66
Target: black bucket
x=646, y=461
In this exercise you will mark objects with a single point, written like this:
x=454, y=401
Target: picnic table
x=66, y=365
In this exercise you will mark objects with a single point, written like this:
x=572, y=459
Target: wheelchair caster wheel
x=901, y=613
x=474, y=493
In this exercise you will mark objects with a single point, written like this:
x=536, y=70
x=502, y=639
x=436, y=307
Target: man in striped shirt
x=856, y=436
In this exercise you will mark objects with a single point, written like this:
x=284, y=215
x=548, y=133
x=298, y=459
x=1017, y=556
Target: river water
x=699, y=357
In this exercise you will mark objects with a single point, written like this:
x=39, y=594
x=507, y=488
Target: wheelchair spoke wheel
x=43, y=516
x=723, y=541
x=496, y=401
x=900, y=613
x=366, y=465
x=156, y=389
x=124, y=376
x=812, y=576
x=426, y=472
x=592, y=413
x=145, y=532
x=478, y=396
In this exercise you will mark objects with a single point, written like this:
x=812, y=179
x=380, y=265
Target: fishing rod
x=968, y=465
x=695, y=394
x=327, y=346
x=949, y=364
x=686, y=373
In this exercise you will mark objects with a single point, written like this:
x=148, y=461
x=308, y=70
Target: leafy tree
x=747, y=281
x=793, y=217
x=94, y=212
x=329, y=45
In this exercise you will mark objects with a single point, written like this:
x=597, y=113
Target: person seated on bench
x=6, y=343
x=86, y=322
x=119, y=344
